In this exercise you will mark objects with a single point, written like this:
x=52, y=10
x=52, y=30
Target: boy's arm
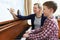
x=48, y=29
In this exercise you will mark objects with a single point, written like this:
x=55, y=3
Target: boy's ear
x=51, y=10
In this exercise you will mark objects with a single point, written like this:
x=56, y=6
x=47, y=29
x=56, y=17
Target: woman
x=49, y=30
x=37, y=19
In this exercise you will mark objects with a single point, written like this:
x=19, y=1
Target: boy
x=49, y=30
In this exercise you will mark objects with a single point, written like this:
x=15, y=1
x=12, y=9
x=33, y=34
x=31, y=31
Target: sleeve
x=24, y=17
x=35, y=31
x=47, y=29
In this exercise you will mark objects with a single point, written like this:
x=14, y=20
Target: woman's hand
x=11, y=10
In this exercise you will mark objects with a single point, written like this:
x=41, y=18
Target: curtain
x=27, y=7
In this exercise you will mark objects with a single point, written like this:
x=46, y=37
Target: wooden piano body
x=9, y=30
x=59, y=27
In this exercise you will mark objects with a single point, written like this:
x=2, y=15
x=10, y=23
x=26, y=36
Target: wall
x=6, y=4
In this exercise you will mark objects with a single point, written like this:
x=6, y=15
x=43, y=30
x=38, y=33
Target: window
x=6, y=4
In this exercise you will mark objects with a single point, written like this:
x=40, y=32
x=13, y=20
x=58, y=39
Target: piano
x=10, y=29
x=59, y=27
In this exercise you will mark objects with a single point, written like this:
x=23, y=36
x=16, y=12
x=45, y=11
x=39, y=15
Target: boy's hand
x=27, y=32
x=25, y=35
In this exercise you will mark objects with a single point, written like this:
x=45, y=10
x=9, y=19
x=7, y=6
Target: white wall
x=4, y=4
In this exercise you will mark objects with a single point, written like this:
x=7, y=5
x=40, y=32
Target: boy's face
x=46, y=11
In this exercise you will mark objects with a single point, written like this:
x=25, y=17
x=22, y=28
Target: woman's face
x=36, y=9
x=46, y=11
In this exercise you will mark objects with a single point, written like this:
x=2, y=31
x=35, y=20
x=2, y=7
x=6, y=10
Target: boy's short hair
x=51, y=4
x=38, y=4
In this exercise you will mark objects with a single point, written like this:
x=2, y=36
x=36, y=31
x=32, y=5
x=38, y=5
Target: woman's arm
x=18, y=16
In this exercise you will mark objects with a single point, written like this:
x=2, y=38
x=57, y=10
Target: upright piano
x=10, y=29
x=59, y=27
